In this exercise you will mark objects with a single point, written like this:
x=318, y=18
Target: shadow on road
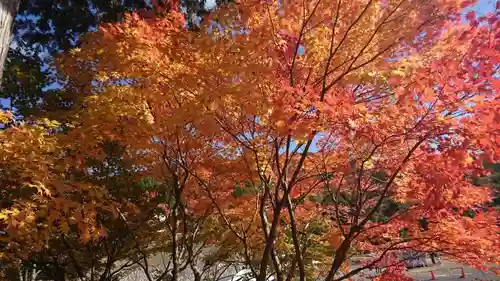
x=448, y=271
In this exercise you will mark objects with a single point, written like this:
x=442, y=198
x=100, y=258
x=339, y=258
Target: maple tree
x=37, y=199
x=43, y=29
x=307, y=131
x=66, y=236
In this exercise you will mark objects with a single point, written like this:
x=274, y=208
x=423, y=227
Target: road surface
x=446, y=271
x=449, y=271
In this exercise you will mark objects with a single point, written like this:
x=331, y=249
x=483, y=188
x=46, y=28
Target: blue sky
x=484, y=6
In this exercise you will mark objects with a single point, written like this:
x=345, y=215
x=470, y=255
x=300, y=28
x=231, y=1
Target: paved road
x=446, y=271
x=449, y=271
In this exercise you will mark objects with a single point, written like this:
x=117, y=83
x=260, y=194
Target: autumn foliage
x=289, y=132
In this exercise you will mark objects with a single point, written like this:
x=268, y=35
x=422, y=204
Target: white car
x=246, y=275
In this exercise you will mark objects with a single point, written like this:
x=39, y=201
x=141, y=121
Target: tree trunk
x=8, y=10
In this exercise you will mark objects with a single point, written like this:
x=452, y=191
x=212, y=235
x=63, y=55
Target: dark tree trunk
x=8, y=10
